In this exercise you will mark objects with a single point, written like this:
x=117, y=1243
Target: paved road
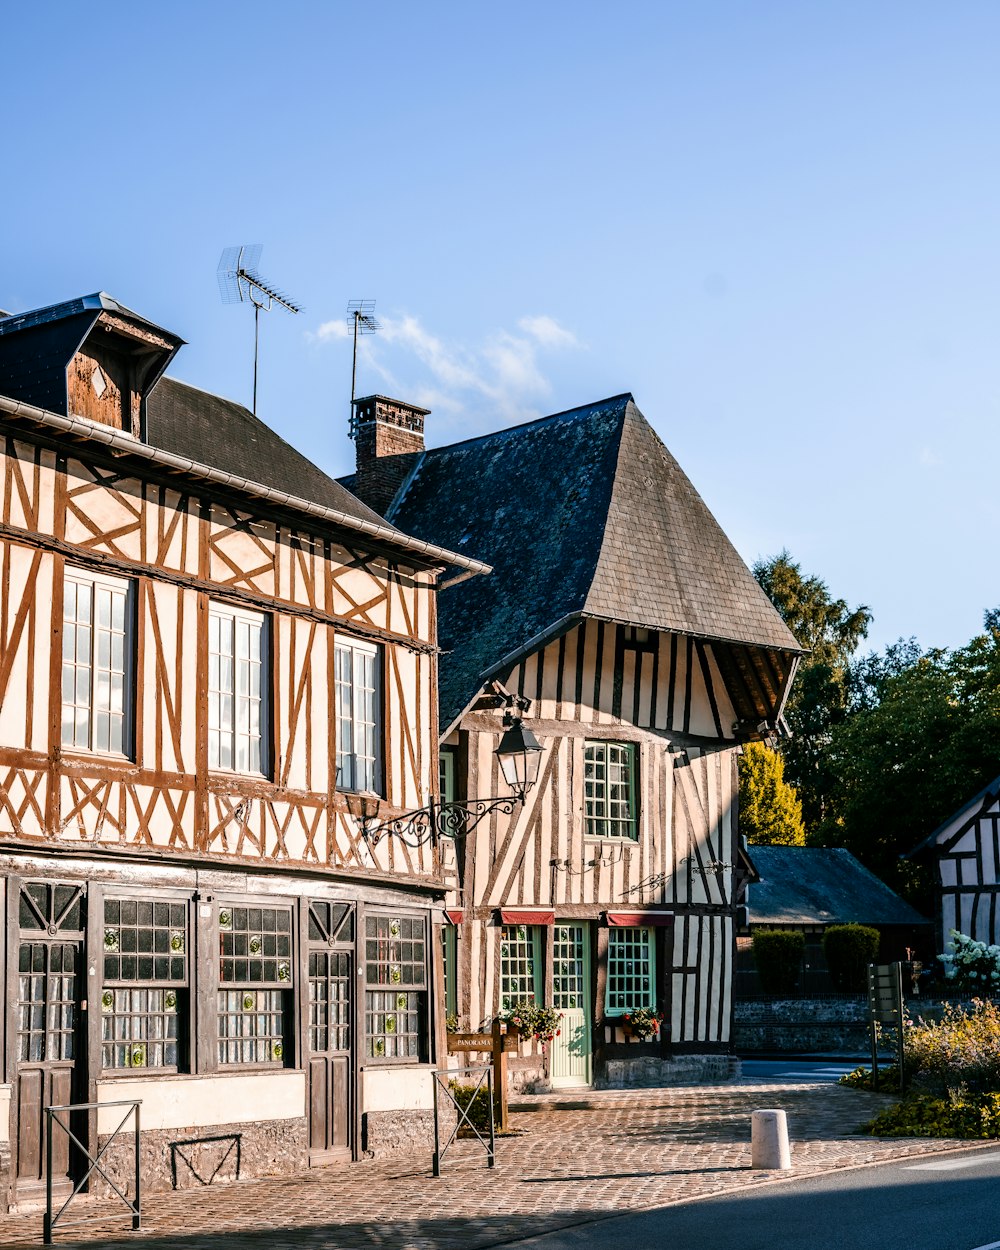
x=796, y=1071
x=639, y=1151
x=949, y=1203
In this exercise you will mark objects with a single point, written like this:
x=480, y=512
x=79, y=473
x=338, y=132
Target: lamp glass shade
x=520, y=755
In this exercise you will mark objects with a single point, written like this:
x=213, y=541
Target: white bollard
x=769, y=1140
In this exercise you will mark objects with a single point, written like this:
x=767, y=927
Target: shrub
x=976, y=1115
x=849, y=949
x=971, y=965
x=777, y=954
x=477, y=1103
x=952, y=1066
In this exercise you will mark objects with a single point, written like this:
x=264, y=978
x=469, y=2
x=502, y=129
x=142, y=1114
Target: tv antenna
x=240, y=283
x=360, y=319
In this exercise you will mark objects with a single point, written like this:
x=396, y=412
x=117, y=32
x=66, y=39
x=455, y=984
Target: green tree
x=770, y=809
x=818, y=701
x=920, y=737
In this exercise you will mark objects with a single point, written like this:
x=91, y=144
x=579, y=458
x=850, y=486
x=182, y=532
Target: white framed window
x=359, y=715
x=97, y=662
x=237, y=698
x=631, y=970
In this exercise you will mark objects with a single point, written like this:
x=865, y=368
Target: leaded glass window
x=255, y=982
x=631, y=970
x=144, y=996
x=609, y=790
x=396, y=987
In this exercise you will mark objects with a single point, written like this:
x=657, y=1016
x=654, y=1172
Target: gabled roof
x=584, y=513
x=814, y=885
x=959, y=821
x=37, y=346
x=189, y=422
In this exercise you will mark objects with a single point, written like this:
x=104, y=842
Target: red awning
x=456, y=917
x=639, y=919
x=508, y=916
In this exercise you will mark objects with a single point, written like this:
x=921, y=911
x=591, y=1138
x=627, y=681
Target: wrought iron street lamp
x=519, y=755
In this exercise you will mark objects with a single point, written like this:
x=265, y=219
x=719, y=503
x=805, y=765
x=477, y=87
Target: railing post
x=437, y=1131
x=47, y=1222
x=493, y=1136
x=137, y=1214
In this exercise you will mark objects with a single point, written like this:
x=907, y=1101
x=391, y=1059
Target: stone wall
x=388, y=1133
x=191, y=1158
x=653, y=1072
x=802, y=1025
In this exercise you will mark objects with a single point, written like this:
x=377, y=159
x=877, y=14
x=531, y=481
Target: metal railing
x=442, y=1084
x=52, y=1121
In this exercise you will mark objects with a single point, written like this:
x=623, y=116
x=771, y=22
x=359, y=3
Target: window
x=631, y=970
x=609, y=789
x=96, y=662
x=145, y=983
x=396, y=992
x=255, y=982
x=520, y=964
x=359, y=719
x=236, y=690
x=446, y=775
x=449, y=958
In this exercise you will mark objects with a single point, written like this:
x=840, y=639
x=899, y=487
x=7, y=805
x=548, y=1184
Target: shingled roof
x=189, y=422
x=584, y=513
x=813, y=885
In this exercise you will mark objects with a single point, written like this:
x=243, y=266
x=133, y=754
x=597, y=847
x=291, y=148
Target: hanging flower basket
x=532, y=1021
x=642, y=1023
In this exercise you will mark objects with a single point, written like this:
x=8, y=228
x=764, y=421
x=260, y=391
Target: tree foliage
x=818, y=700
x=770, y=809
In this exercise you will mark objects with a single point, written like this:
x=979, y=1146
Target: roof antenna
x=240, y=283
x=360, y=319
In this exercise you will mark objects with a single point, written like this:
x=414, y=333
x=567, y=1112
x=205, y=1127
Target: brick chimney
x=388, y=436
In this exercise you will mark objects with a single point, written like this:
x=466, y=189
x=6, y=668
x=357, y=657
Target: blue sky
x=775, y=223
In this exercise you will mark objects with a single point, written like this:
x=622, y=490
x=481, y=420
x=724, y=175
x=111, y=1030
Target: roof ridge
x=508, y=430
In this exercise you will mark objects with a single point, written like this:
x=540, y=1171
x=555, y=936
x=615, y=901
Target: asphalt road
x=785, y=1070
x=951, y=1202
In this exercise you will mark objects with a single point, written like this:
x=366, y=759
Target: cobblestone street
x=623, y=1151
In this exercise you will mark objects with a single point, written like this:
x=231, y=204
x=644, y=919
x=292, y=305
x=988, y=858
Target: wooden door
x=571, y=1049
x=330, y=1063
x=50, y=979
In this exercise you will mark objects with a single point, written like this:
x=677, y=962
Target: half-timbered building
x=622, y=618
x=205, y=644
x=965, y=853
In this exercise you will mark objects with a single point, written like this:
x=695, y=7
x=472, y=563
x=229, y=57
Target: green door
x=571, y=1057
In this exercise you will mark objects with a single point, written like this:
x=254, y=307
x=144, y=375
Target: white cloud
x=329, y=332
x=548, y=332
x=928, y=458
x=501, y=378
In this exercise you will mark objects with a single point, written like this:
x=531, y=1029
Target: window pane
x=631, y=973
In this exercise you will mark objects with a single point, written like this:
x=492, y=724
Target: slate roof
x=584, y=513
x=189, y=422
x=814, y=885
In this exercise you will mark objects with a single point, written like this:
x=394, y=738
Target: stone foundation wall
x=191, y=1158
x=803, y=1025
x=388, y=1133
x=653, y=1072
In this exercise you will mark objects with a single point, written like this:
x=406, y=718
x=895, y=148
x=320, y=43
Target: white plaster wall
x=203, y=1101
x=4, y=1113
x=397, y=1089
